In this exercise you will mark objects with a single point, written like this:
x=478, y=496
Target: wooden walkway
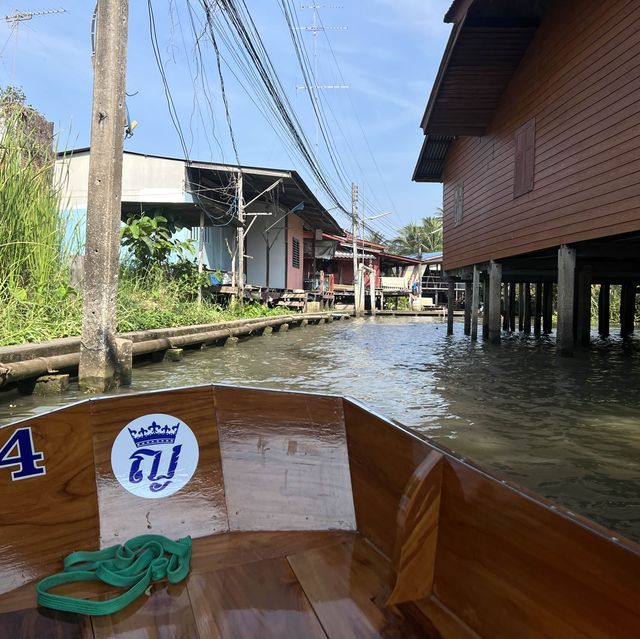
x=249, y=584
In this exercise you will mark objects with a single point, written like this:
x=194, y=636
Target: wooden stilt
x=485, y=300
x=521, y=306
x=505, y=306
x=495, y=279
x=450, y=306
x=566, y=287
x=468, y=288
x=527, y=308
x=537, y=311
x=512, y=306
x=583, y=325
x=547, y=307
x=604, y=310
x=475, y=302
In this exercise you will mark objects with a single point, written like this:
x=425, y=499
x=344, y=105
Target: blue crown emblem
x=155, y=434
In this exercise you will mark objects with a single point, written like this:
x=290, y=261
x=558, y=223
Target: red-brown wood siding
x=580, y=81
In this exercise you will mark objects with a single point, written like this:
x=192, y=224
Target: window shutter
x=525, y=141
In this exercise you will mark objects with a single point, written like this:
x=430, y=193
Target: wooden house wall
x=580, y=80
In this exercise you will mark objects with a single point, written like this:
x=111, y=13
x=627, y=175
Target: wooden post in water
x=537, y=311
x=200, y=253
x=485, y=300
x=583, y=325
x=547, y=307
x=475, y=302
x=604, y=310
x=527, y=308
x=495, y=286
x=450, y=306
x=468, y=292
x=512, y=307
x=505, y=306
x=521, y=306
x=372, y=291
x=566, y=289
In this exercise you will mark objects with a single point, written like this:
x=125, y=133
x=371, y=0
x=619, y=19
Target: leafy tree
x=151, y=242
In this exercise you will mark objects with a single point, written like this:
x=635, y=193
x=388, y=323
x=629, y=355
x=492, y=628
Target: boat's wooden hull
x=417, y=542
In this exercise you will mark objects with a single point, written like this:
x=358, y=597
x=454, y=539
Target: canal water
x=568, y=428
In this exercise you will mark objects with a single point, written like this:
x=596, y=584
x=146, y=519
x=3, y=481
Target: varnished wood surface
x=382, y=461
x=198, y=509
x=262, y=599
x=579, y=79
x=43, y=518
x=511, y=566
x=44, y=624
x=285, y=460
x=345, y=585
x=165, y=614
x=417, y=535
x=496, y=560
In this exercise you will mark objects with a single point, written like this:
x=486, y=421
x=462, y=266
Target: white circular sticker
x=154, y=455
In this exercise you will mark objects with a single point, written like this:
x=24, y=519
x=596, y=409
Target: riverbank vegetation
x=37, y=243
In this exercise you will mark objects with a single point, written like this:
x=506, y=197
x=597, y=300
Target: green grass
x=37, y=302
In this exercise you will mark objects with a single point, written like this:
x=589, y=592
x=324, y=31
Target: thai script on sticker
x=154, y=455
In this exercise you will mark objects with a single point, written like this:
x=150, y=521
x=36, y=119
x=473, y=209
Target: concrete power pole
x=104, y=361
x=357, y=301
x=240, y=200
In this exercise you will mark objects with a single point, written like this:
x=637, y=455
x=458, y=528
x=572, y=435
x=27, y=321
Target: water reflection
x=566, y=427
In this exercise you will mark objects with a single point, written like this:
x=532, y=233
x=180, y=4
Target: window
x=458, y=204
x=525, y=139
x=295, y=252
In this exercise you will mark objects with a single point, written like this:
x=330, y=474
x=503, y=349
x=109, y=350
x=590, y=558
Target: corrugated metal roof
x=349, y=255
x=431, y=159
x=486, y=46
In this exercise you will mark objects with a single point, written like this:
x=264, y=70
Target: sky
x=388, y=55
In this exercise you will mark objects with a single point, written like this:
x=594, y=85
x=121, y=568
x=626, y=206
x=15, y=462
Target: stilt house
x=533, y=127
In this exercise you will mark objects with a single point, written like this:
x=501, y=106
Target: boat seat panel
x=199, y=508
x=285, y=461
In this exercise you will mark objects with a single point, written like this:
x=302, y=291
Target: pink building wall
x=295, y=230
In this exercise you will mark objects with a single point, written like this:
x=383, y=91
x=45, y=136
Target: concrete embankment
x=27, y=362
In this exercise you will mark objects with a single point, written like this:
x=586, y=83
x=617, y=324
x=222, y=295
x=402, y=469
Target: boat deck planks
x=40, y=623
x=345, y=583
x=329, y=587
x=260, y=599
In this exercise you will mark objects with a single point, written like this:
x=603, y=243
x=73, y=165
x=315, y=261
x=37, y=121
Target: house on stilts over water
x=532, y=126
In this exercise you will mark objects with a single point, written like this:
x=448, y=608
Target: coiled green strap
x=135, y=565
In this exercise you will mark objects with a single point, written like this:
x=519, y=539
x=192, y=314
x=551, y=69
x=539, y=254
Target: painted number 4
x=18, y=451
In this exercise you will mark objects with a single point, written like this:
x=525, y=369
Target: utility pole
x=240, y=241
x=103, y=359
x=357, y=302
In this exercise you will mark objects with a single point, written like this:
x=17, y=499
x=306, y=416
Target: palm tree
x=416, y=239
x=432, y=234
x=376, y=237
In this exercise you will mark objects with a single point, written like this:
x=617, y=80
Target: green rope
x=135, y=565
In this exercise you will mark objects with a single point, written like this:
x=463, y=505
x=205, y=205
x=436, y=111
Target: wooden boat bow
x=312, y=517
